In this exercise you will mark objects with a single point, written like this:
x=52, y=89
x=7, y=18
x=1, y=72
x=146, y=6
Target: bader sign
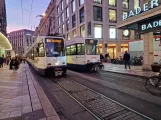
x=151, y=25
x=146, y=7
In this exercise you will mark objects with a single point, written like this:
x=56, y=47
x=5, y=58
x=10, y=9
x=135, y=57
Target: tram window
x=73, y=50
x=41, y=51
x=80, y=49
x=67, y=50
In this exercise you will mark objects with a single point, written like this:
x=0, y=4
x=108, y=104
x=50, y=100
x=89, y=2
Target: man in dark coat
x=127, y=59
x=14, y=64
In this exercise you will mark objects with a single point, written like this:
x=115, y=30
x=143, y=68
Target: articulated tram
x=83, y=54
x=47, y=55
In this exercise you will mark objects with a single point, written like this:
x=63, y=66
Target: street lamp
x=50, y=20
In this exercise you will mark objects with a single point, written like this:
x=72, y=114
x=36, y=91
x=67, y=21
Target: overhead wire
x=22, y=11
x=30, y=13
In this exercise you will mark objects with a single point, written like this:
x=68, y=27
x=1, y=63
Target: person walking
x=1, y=62
x=127, y=59
x=14, y=64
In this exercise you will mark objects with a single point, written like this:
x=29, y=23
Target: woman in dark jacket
x=14, y=64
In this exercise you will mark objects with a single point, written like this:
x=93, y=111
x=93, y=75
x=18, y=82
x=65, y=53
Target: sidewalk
x=22, y=98
x=135, y=70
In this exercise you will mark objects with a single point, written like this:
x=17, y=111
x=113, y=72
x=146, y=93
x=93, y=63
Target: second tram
x=83, y=54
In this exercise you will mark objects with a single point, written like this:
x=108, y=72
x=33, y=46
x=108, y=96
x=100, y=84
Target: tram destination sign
x=150, y=24
x=147, y=6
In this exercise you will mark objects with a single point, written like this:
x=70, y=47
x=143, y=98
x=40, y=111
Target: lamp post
x=50, y=20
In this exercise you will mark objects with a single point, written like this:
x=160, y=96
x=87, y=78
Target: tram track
x=98, y=105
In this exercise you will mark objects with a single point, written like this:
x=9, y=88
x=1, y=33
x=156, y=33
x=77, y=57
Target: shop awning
x=4, y=42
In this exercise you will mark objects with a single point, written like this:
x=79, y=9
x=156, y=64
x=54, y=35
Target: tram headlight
x=57, y=62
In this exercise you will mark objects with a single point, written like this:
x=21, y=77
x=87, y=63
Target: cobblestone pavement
x=22, y=97
x=135, y=70
x=100, y=105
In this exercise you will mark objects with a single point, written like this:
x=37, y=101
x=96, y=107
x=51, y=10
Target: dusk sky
x=14, y=13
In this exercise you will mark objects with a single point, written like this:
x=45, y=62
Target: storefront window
x=112, y=3
x=98, y=31
x=111, y=49
x=124, y=47
x=112, y=15
x=125, y=4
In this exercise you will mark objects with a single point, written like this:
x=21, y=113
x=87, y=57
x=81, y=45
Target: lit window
x=112, y=15
x=81, y=2
x=67, y=12
x=68, y=36
x=81, y=15
x=98, y=1
x=73, y=5
x=136, y=4
x=74, y=20
x=82, y=31
x=97, y=13
x=112, y=3
x=98, y=31
x=74, y=33
x=125, y=4
x=112, y=32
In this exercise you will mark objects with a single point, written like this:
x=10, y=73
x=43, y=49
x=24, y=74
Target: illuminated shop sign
x=146, y=7
x=151, y=25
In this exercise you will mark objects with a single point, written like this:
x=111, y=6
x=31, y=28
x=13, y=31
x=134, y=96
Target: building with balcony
x=21, y=40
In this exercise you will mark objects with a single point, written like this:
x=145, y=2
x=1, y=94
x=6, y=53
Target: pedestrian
x=1, y=62
x=24, y=60
x=101, y=57
x=127, y=59
x=14, y=64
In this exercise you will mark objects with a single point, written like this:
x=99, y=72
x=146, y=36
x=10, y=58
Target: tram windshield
x=91, y=47
x=55, y=48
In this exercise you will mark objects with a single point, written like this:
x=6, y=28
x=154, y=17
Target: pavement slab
x=22, y=97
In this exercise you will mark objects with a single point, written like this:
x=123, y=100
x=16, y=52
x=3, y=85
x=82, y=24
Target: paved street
x=127, y=90
x=135, y=70
x=22, y=97
x=78, y=96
